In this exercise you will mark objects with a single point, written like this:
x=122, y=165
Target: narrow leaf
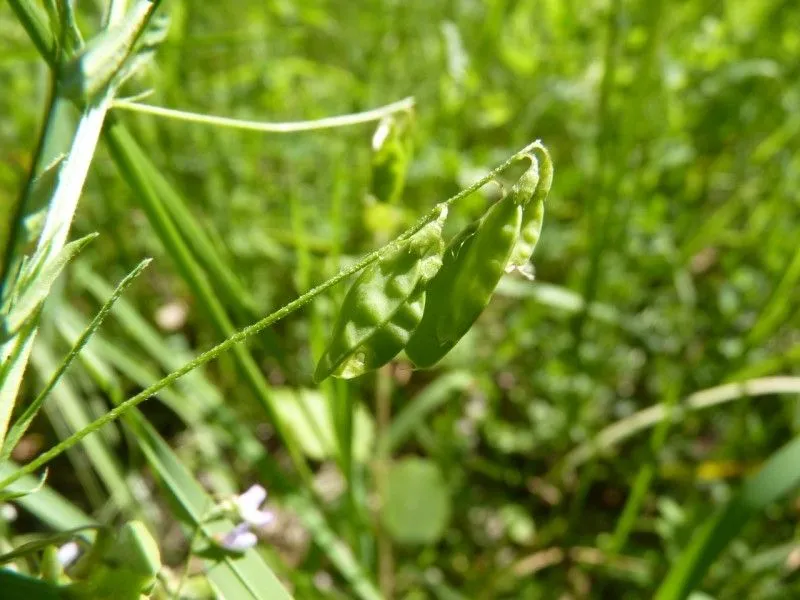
x=21, y=425
x=779, y=476
x=37, y=286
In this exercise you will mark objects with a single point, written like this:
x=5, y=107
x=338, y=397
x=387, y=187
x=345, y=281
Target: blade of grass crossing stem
x=207, y=435
x=207, y=403
x=302, y=275
x=777, y=478
x=135, y=367
x=126, y=154
x=73, y=411
x=342, y=452
x=337, y=392
x=337, y=552
x=146, y=337
x=21, y=425
x=214, y=427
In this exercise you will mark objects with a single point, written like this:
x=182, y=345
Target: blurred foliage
x=675, y=132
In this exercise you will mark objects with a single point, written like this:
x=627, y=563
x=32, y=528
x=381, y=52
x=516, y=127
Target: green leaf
x=775, y=480
x=416, y=509
x=37, y=285
x=23, y=422
x=21, y=491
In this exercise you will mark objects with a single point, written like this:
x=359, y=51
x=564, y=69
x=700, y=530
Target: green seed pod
x=531, y=189
x=472, y=266
x=392, y=153
x=383, y=306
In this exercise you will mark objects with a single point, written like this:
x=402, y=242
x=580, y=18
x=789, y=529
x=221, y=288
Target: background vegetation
x=668, y=265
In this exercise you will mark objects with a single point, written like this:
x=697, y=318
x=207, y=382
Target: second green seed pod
x=532, y=189
x=472, y=266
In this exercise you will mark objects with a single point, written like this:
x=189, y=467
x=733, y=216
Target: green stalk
x=644, y=477
x=35, y=23
x=599, y=210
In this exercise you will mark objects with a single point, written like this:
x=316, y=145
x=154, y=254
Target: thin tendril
x=404, y=105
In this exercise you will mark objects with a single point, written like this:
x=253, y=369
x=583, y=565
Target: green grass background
x=675, y=214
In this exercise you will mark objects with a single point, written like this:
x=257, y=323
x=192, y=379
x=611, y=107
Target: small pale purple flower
x=239, y=539
x=247, y=507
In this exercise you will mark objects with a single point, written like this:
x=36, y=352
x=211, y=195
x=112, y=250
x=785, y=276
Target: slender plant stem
x=383, y=408
x=250, y=330
x=645, y=475
x=35, y=23
x=598, y=212
x=23, y=421
x=17, y=235
x=404, y=105
x=627, y=427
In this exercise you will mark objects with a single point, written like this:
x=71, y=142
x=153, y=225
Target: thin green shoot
x=23, y=422
x=369, y=116
x=629, y=426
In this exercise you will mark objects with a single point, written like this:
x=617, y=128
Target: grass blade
x=629, y=426
x=73, y=411
x=418, y=409
x=21, y=425
x=47, y=505
x=777, y=478
x=36, y=25
x=248, y=576
x=338, y=552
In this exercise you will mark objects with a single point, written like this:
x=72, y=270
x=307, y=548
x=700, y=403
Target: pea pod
x=383, y=306
x=472, y=265
x=533, y=186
